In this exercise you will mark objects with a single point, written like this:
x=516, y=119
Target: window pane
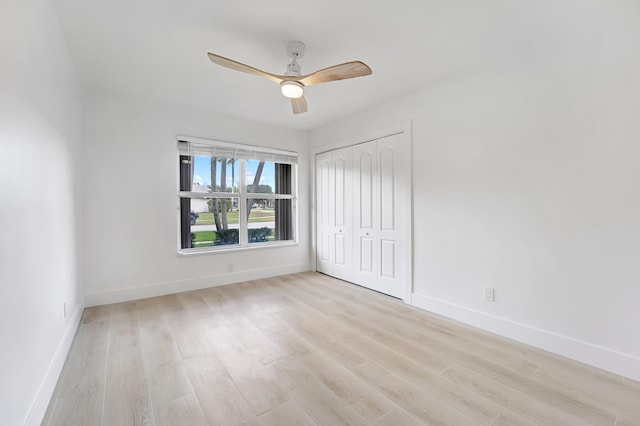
x=270, y=220
x=284, y=220
x=223, y=172
x=210, y=222
x=260, y=177
x=261, y=224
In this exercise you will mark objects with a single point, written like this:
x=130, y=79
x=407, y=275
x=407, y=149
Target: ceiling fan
x=292, y=83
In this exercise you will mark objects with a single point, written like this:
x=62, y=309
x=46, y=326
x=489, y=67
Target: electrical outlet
x=229, y=267
x=489, y=294
x=64, y=309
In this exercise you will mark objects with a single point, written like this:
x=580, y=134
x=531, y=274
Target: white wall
x=526, y=178
x=40, y=136
x=130, y=200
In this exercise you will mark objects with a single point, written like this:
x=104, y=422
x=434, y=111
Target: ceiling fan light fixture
x=292, y=89
x=292, y=83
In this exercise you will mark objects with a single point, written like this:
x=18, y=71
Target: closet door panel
x=342, y=163
x=341, y=177
x=340, y=251
x=324, y=223
x=325, y=245
x=367, y=259
x=388, y=258
x=366, y=215
x=393, y=186
x=387, y=189
x=366, y=181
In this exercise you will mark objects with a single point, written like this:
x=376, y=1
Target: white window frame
x=262, y=154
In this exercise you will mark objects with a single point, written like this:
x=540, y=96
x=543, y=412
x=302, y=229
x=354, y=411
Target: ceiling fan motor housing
x=293, y=69
x=295, y=49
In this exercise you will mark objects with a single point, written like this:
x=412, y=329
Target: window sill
x=227, y=249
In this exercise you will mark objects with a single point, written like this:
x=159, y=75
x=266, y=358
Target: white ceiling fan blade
x=299, y=105
x=337, y=72
x=239, y=66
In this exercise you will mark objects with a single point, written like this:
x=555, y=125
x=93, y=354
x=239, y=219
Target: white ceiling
x=157, y=49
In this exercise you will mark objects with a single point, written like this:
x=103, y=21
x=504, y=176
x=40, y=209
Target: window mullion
x=208, y=194
x=242, y=213
x=263, y=196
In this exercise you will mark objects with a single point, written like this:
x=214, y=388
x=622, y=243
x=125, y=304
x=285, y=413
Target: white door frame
x=404, y=129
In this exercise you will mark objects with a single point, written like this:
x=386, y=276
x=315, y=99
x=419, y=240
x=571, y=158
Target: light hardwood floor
x=307, y=349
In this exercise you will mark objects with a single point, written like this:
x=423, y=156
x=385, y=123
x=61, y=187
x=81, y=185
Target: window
x=235, y=196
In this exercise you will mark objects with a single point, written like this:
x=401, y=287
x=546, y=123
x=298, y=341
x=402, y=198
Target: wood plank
x=219, y=298
x=288, y=413
x=87, y=358
x=184, y=326
x=184, y=410
x=172, y=395
x=224, y=402
x=289, y=342
x=504, y=396
x=299, y=319
x=398, y=416
x=509, y=419
x=193, y=302
x=252, y=337
x=342, y=325
x=412, y=399
x=124, y=334
x=322, y=405
x=266, y=322
x=623, y=420
x=79, y=408
x=354, y=392
x=257, y=382
x=594, y=387
x=82, y=385
x=460, y=399
x=127, y=400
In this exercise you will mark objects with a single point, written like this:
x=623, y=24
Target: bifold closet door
x=324, y=207
x=334, y=206
x=363, y=202
x=381, y=186
x=366, y=201
x=394, y=179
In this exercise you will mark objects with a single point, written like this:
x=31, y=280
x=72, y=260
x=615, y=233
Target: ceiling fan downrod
x=295, y=50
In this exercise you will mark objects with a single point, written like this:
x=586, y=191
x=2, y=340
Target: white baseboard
x=597, y=356
x=170, y=287
x=48, y=385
